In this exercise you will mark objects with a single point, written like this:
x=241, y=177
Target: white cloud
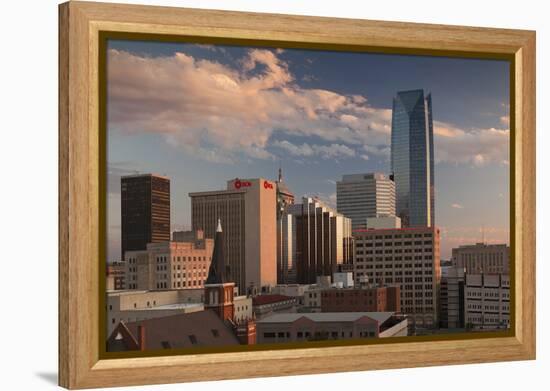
x=225, y=113
x=457, y=206
x=331, y=151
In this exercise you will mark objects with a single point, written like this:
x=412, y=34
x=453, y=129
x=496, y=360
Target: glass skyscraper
x=412, y=158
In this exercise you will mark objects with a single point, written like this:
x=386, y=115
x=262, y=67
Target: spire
x=280, y=173
x=219, y=270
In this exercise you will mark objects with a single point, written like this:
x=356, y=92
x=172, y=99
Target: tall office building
x=286, y=269
x=412, y=158
x=408, y=257
x=247, y=210
x=145, y=211
x=322, y=240
x=359, y=196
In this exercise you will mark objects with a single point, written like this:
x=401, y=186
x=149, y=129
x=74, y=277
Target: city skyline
x=288, y=108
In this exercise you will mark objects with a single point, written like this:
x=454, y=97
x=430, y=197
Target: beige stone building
x=408, y=257
x=170, y=265
x=247, y=210
x=487, y=301
x=132, y=306
x=482, y=258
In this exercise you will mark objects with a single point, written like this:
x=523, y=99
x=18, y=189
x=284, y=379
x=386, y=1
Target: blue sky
x=204, y=114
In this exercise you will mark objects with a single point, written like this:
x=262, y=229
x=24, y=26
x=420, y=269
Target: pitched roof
x=380, y=317
x=219, y=269
x=202, y=328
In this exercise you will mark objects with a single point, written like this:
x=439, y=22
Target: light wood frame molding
x=80, y=365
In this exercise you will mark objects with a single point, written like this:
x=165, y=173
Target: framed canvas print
x=271, y=195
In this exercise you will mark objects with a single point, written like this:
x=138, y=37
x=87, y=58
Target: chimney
x=141, y=337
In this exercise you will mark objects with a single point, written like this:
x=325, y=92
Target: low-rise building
x=202, y=328
x=487, y=301
x=375, y=299
x=482, y=258
x=303, y=327
x=116, y=276
x=132, y=306
x=169, y=265
x=267, y=304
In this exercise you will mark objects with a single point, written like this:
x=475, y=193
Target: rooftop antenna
x=280, y=170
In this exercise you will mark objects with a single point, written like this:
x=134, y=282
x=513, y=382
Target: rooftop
x=381, y=317
x=269, y=299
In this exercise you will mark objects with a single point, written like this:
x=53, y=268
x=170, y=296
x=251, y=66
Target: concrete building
x=323, y=240
x=247, y=209
x=360, y=196
x=482, y=258
x=268, y=304
x=145, y=211
x=412, y=158
x=343, y=279
x=487, y=301
x=286, y=270
x=383, y=222
x=116, y=276
x=408, y=257
x=300, y=327
x=452, y=298
x=169, y=265
x=131, y=306
x=375, y=299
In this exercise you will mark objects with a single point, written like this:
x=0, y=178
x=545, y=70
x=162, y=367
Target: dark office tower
x=145, y=211
x=412, y=158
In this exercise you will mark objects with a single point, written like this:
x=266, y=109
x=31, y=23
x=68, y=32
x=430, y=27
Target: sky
x=204, y=114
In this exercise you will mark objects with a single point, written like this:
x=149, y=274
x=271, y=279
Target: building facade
x=482, y=258
x=412, y=158
x=247, y=209
x=407, y=257
x=452, y=298
x=302, y=327
x=145, y=211
x=375, y=299
x=323, y=240
x=360, y=196
x=487, y=299
x=116, y=276
x=132, y=306
x=169, y=265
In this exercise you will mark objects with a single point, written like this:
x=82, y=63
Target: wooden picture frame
x=81, y=162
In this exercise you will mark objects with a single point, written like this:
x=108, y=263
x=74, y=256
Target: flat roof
x=215, y=192
x=174, y=306
x=381, y=317
x=144, y=175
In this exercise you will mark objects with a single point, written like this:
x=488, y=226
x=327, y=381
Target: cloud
x=457, y=206
x=476, y=147
x=331, y=151
x=220, y=113
x=505, y=120
x=224, y=113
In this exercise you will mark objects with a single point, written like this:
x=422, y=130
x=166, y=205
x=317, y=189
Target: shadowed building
x=412, y=158
x=323, y=240
x=145, y=211
x=286, y=267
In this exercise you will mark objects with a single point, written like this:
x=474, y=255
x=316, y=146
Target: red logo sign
x=239, y=184
x=268, y=185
